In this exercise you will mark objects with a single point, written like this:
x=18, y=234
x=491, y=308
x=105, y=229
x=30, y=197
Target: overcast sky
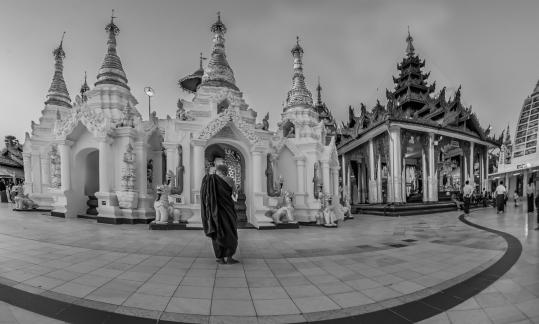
x=490, y=47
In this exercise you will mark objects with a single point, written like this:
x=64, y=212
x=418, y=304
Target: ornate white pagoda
x=98, y=157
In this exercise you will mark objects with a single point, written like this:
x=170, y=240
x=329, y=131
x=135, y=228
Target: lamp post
x=150, y=93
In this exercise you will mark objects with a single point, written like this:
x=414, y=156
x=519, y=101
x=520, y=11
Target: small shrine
x=96, y=157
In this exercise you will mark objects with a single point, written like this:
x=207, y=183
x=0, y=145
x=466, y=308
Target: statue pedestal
x=43, y=200
x=195, y=221
x=108, y=208
x=61, y=206
x=178, y=212
x=145, y=207
x=259, y=218
x=127, y=199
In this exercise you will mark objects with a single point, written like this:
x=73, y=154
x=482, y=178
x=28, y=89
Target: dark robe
x=219, y=218
x=3, y=195
x=530, y=203
x=500, y=202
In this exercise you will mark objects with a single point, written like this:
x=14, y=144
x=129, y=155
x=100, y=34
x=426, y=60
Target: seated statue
x=161, y=206
x=21, y=200
x=285, y=210
x=329, y=215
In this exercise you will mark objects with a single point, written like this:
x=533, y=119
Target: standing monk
x=219, y=217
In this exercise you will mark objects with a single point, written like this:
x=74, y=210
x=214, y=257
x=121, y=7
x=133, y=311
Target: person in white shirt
x=500, y=197
x=467, y=192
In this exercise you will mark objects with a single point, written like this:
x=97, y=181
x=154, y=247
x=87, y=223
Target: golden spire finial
x=410, y=47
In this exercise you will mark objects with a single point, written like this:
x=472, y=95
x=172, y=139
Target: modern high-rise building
x=519, y=160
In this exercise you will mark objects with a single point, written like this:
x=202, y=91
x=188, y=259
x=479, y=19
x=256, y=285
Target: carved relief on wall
x=55, y=167
x=128, y=170
x=230, y=115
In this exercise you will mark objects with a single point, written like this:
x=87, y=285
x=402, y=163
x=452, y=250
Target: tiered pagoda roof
x=411, y=88
x=413, y=101
x=324, y=113
x=299, y=94
x=58, y=94
x=111, y=71
x=218, y=72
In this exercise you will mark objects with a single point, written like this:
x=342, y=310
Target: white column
x=27, y=163
x=45, y=174
x=395, y=133
x=335, y=172
x=172, y=157
x=142, y=161
x=343, y=165
x=372, y=182
x=424, y=171
x=257, y=172
x=300, y=167
x=379, y=195
x=65, y=166
x=431, y=183
x=471, y=164
x=198, y=165
x=325, y=176
x=104, y=167
x=36, y=172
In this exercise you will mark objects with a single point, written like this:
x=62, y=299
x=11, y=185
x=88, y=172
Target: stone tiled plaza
x=374, y=263
x=323, y=163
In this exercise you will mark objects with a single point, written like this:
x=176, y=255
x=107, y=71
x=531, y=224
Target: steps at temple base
x=394, y=210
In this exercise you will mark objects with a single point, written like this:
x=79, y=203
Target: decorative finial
x=319, y=92
x=111, y=27
x=218, y=27
x=410, y=47
x=59, y=51
x=84, y=88
x=297, y=49
x=202, y=58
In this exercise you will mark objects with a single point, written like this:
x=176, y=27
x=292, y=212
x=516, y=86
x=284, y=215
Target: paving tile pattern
x=310, y=273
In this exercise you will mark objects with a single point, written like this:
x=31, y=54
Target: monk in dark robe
x=219, y=218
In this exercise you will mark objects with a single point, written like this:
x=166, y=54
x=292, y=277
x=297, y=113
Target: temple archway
x=234, y=159
x=85, y=182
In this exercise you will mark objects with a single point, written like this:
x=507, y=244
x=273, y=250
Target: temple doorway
x=86, y=182
x=220, y=153
x=413, y=165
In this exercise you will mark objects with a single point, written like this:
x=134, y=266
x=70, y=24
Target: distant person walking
x=219, y=218
x=3, y=195
x=515, y=198
x=530, y=192
x=501, y=192
x=467, y=192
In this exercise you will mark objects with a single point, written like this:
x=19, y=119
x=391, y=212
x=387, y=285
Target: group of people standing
x=532, y=198
x=501, y=197
x=6, y=189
